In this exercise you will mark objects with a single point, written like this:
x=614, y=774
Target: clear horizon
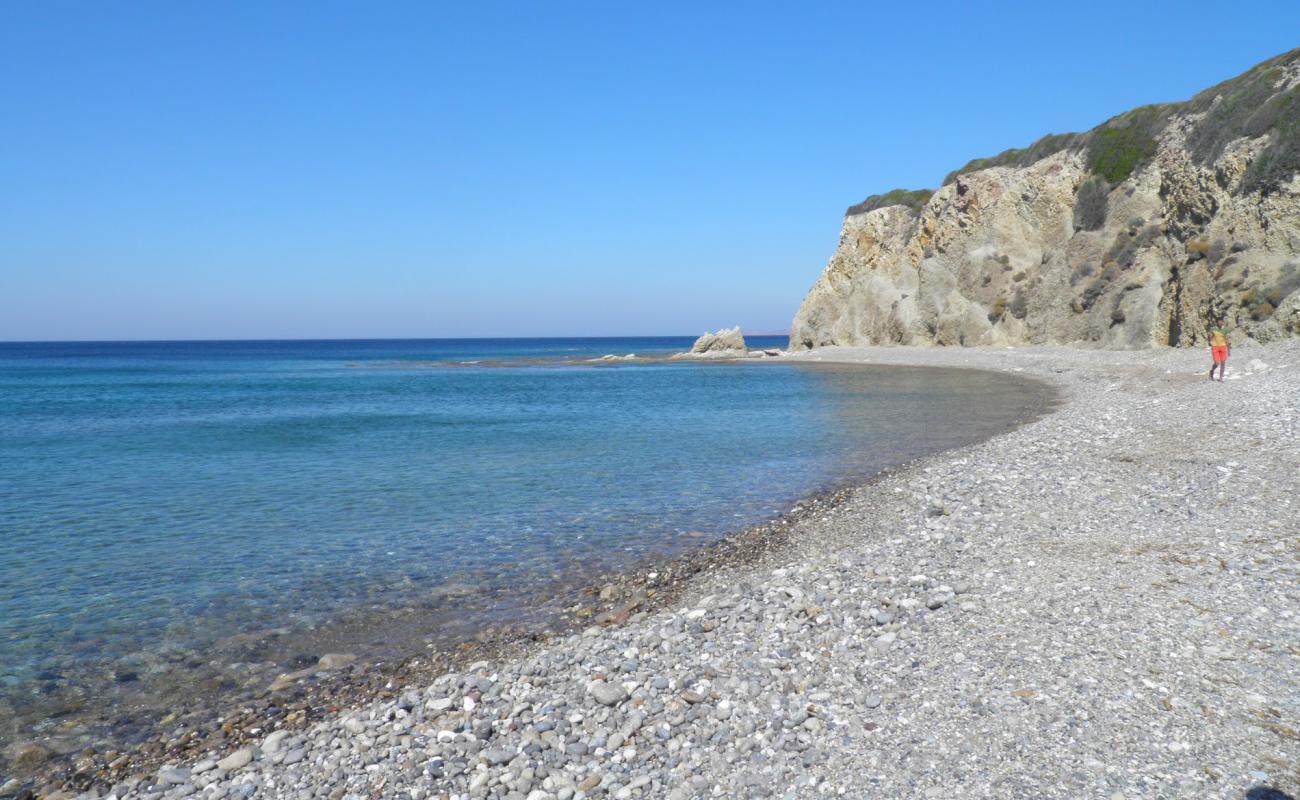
x=755, y=334
x=241, y=172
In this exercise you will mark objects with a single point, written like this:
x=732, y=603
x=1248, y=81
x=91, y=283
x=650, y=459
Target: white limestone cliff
x=1044, y=249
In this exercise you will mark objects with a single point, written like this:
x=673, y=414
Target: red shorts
x=1219, y=354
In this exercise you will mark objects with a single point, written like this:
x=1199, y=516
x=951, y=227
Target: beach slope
x=1100, y=603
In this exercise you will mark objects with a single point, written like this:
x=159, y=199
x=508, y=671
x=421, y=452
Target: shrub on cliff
x=1256, y=303
x=1090, y=204
x=1019, y=305
x=1123, y=251
x=1287, y=282
x=1092, y=292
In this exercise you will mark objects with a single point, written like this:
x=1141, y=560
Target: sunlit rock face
x=1131, y=235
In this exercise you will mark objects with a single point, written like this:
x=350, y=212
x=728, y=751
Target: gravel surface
x=1104, y=603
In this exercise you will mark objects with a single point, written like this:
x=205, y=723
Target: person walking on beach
x=1219, y=348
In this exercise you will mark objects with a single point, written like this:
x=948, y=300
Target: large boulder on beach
x=727, y=340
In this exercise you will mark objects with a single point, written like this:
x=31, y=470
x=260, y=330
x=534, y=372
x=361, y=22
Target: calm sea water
x=163, y=495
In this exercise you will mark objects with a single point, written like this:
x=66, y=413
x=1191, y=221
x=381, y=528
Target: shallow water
x=159, y=496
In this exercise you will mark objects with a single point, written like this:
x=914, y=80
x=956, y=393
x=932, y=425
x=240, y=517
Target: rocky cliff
x=1129, y=235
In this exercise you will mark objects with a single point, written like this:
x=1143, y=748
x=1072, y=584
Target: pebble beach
x=1101, y=603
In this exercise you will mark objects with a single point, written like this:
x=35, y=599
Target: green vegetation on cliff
x=1252, y=105
x=1116, y=148
x=912, y=198
x=1050, y=144
x=1111, y=150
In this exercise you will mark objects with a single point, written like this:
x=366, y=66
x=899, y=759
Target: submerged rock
x=174, y=775
x=335, y=660
x=25, y=756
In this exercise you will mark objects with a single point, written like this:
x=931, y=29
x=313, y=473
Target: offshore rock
x=726, y=341
x=1131, y=235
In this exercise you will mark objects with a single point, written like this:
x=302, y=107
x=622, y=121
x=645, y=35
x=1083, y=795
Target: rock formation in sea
x=728, y=341
x=1130, y=235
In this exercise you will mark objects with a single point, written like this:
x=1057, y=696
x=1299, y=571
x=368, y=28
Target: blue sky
x=279, y=170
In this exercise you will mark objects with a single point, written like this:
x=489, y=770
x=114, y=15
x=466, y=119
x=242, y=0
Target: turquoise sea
x=160, y=497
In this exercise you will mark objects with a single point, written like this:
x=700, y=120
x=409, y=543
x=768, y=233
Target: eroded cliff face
x=1051, y=252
